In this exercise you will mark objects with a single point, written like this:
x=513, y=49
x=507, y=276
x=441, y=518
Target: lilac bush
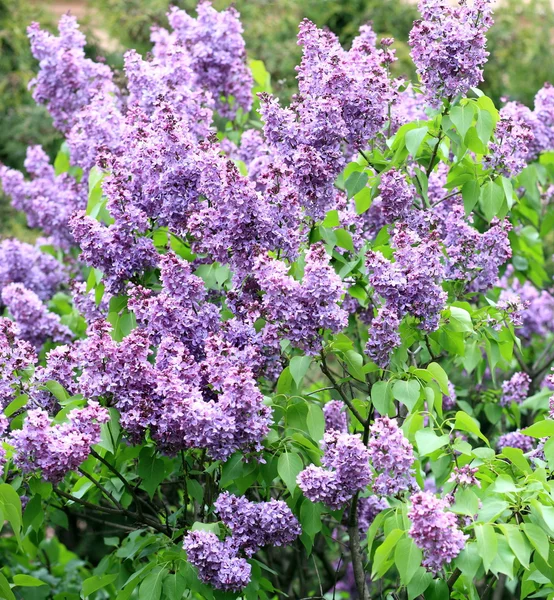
x=280, y=351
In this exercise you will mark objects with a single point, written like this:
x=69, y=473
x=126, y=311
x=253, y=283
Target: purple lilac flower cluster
x=515, y=439
x=391, y=455
x=507, y=155
x=465, y=476
x=448, y=47
x=16, y=356
x=57, y=449
x=435, y=530
x=412, y=284
x=343, y=97
x=335, y=416
x=449, y=401
x=345, y=471
x=383, y=336
x=515, y=390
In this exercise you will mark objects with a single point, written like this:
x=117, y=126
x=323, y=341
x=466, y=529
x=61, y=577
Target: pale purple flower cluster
x=299, y=310
x=412, y=284
x=515, y=439
x=257, y=524
x=26, y=264
x=383, y=336
x=391, y=455
x=335, y=416
x=465, y=476
x=345, y=471
x=449, y=401
x=343, y=97
x=217, y=55
x=395, y=195
x=47, y=199
x=16, y=356
x=35, y=322
x=508, y=153
x=67, y=80
x=537, y=314
x=448, y=46
x=368, y=509
x=217, y=562
x=435, y=530
x=515, y=390
x=474, y=257
x=57, y=449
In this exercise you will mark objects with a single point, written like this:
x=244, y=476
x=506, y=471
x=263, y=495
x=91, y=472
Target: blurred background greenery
x=520, y=44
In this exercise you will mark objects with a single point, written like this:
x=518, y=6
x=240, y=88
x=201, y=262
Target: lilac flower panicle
x=391, y=456
x=216, y=561
x=449, y=401
x=57, y=449
x=35, y=322
x=257, y=524
x=449, y=47
x=368, y=509
x=435, y=530
x=383, y=336
x=16, y=357
x=335, y=416
x=507, y=155
x=465, y=476
x=345, y=471
x=515, y=390
x=395, y=195
x=515, y=439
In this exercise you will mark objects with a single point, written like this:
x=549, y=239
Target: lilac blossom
x=216, y=561
x=465, y=476
x=16, y=357
x=448, y=47
x=515, y=390
x=257, y=524
x=26, y=264
x=345, y=471
x=391, y=456
x=515, y=439
x=57, y=449
x=335, y=416
x=435, y=530
x=507, y=154
x=368, y=509
x=449, y=400
x=35, y=322
x=383, y=336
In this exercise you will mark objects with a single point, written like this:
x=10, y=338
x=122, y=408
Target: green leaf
x=315, y=421
x=288, y=467
x=362, y=200
x=437, y=590
x=466, y=423
x=151, y=587
x=381, y=396
x=27, y=581
x=471, y=193
x=462, y=117
x=33, y=515
x=486, y=543
x=485, y=126
x=310, y=517
x=10, y=505
x=407, y=558
x=519, y=545
x=467, y=503
x=414, y=138
x=440, y=376
x=460, y=320
x=492, y=197
x=299, y=366
x=151, y=470
x=355, y=362
x=419, y=583
x=355, y=183
x=331, y=219
x=541, y=429
x=97, y=582
x=5, y=589
x=538, y=538
x=406, y=392
x=428, y=441
x=381, y=561
x=174, y=586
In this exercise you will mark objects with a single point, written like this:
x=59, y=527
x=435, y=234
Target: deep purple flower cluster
x=395, y=195
x=411, y=284
x=35, y=322
x=299, y=310
x=515, y=390
x=343, y=97
x=515, y=439
x=507, y=155
x=37, y=271
x=391, y=456
x=448, y=47
x=345, y=471
x=368, y=509
x=217, y=562
x=435, y=531
x=257, y=524
x=57, y=449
